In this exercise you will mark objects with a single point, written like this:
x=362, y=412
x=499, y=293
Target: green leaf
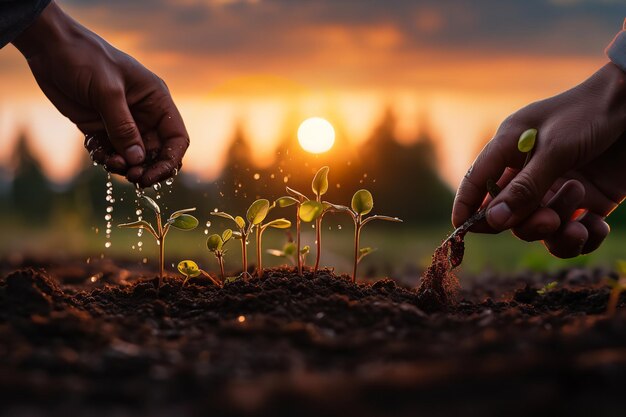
x=279, y=224
x=526, y=141
x=139, y=224
x=334, y=207
x=310, y=210
x=226, y=235
x=362, y=202
x=286, y=201
x=214, y=243
x=152, y=204
x=184, y=222
x=385, y=218
x=320, y=181
x=363, y=252
x=188, y=268
x=276, y=252
x=297, y=194
x=241, y=223
x=258, y=211
x=305, y=250
x=289, y=249
x=178, y=212
x=222, y=214
x=229, y=280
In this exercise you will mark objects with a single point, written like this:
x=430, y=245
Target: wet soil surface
x=95, y=340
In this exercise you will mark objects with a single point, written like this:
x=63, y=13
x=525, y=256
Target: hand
x=579, y=162
x=130, y=122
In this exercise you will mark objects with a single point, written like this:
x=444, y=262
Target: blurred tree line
x=403, y=178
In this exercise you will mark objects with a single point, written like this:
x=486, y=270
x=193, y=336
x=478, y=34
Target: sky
x=459, y=67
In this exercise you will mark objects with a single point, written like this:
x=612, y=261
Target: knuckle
x=125, y=129
x=523, y=190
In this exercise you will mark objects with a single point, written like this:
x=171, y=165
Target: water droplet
x=312, y=226
x=95, y=163
x=206, y=231
x=257, y=176
x=339, y=226
x=157, y=186
x=208, y=223
x=169, y=181
x=215, y=210
x=133, y=247
x=107, y=245
x=108, y=198
x=138, y=212
x=111, y=200
x=107, y=217
x=158, y=196
x=139, y=232
x=285, y=179
x=109, y=184
x=158, y=243
x=144, y=260
x=241, y=319
x=108, y=232
x=109, y=209
x=139, y=244
x=88, y=260
x=93, y=278
x=272, y=176
x=338, y=185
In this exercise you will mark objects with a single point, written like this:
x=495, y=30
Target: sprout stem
x=298, y=254
x=613, y=300
x=161, y=243
x=318, y=238
x=220, y=260
x=244, y=253
x=357, y=237
x=259, y=260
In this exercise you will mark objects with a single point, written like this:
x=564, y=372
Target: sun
x=316, y=135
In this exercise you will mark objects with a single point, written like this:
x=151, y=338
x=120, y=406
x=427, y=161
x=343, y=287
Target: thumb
x=121, y=129
x=522, y=195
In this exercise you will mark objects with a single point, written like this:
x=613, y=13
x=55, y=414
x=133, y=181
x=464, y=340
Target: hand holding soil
x=574, y=179
x=126, y=112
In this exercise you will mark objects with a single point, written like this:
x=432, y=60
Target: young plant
x=215, y=243
x=319, y=185
x=306, y=211
x=289, y=252
x=362, y=203
x=178, y=220
x=617, y=287
x=257, y=212
x=547, y=288
x=190, y=269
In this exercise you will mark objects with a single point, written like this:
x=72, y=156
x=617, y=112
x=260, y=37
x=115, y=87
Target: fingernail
x=134, y=155
x=499, y=215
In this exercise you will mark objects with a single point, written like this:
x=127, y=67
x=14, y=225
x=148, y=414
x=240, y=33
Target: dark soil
x=102, y=343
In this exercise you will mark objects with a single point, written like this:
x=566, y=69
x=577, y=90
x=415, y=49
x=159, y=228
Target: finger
x=598, y=230
x=501, y=152
x=482, y=226
x=175, y=141
x=525, y=192
x=115, y=164
x=134, y=174
x=569, y=241
x=98, y=146
x=567, y=200
x=121, y=128
x=540, y=225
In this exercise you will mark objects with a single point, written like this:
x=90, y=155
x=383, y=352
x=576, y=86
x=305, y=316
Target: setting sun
x=316, y=135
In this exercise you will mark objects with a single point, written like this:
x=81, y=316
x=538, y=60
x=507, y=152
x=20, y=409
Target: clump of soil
x=439, y=286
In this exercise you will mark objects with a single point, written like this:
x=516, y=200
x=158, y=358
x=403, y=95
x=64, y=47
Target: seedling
x=306, y=211
x=289, y=252
x=179, y=220
x=319, y=185
x=215, y=243
x=362, y=204
x=257, y=212
x=190, y=269
x=549, y=287
x=617, y=287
